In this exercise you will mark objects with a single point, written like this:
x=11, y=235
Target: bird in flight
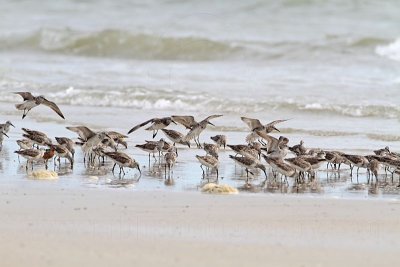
x=31, y=101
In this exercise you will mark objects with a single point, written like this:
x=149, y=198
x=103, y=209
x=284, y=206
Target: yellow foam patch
x=213, y=188
x=44, y=175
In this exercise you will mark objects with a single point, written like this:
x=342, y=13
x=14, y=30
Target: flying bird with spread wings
x=157, y=124
x=31, y=101
x=257, y=127
x=196, y=128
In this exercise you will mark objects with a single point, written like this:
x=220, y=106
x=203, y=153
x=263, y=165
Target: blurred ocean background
x=332, y=67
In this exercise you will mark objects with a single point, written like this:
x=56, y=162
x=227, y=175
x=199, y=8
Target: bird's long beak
x=140, y=172
x=211, y=123
x=12, y=125
x=174, y=122
x=273, y=127
x=266, y=177
x=5, y=134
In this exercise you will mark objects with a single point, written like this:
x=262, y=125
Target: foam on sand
x=213, y=188
x=44, y=175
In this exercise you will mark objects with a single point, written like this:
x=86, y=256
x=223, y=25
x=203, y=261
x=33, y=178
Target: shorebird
x=83, y=132
x=373, y=167
x=5, y=127
x=90, y=140
x=2, y=134
x=196, y=128
x=34, y=132
x=31, y=101
x=382, y=152
x=299, y=149
x=158, y=124
x=335, y=158
x=162, y=145
x=68, y=143
x=24, y=144
x=256, y=126
x=188, y=121
x=209, y=162
x=278, y=165
x=118, y=138
x=150, y=148
x=300, y=165
x=48, y=155
x=391, y=163
x=170, y=159
x=62, y=151
x=38, y=138
x=219, y=140
x=175, y=137
x=211, y=149
x=272, y=142
x=279, y=152
x=122, y=160
x=31, y=155
x=249, y=163
x=315, y=161
x=245, y=150
x=355, y=160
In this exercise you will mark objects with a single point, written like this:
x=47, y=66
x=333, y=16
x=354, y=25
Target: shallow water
x=187, y=174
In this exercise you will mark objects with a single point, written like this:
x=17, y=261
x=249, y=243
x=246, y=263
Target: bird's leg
x=114, y=167
x=201, y=166
x=198, y=141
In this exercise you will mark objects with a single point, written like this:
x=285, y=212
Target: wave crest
x=122, y=44
x=178, y=100
x=391, y=51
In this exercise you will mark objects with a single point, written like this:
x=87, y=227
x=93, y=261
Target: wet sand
x=66, y=227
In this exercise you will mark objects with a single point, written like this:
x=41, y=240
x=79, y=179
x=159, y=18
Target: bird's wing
x=25, y=95
x=265, y=136
x=212, y=117
x=84, y=132
x=187, y=121
x=252, y=123
x=118, y=156
x=53, y=106
x=140, y=125
x=33, y=132
x=116, y=135
x=272, y=123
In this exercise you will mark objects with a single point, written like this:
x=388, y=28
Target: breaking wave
x=180, y=100
x=113, y=43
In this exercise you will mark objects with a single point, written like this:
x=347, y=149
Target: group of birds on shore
x=261, y=149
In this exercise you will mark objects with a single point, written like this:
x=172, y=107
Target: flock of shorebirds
x=260, y=151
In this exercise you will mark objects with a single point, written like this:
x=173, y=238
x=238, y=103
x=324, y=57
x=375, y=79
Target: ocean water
x=332, y=67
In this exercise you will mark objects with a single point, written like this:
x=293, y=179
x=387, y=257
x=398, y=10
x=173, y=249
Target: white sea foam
x=391, y=51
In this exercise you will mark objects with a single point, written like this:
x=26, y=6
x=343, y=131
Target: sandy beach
x=64, y=227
